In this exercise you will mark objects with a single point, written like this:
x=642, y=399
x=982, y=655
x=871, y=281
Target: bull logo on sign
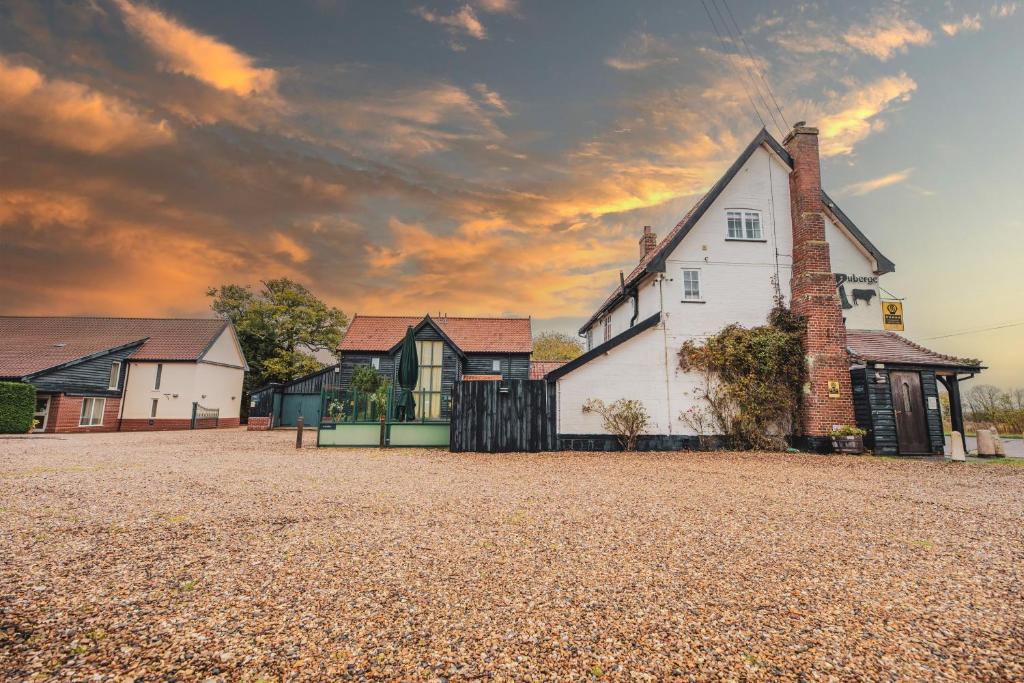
x=865, y=295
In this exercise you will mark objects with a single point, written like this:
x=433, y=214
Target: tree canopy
x=556, y=346
x=281, y=327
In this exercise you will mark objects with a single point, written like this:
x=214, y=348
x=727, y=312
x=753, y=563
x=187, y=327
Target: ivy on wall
x=753, y=379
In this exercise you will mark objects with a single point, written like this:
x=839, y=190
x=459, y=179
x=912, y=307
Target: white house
x=723, y=263
x=125, y=374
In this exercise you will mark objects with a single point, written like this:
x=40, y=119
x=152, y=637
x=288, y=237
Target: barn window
x=115, y=374
x=743, y=224
x=92, y=412
x=428, y=388
x=691, y=285
x=495, y=366
x=375, y=363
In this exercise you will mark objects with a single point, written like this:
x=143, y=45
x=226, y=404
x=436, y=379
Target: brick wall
x=814, y=295
x=258, y=424
x=66, y=412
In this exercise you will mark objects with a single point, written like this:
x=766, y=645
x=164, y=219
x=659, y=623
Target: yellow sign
x=833, y=388
x=892, y=315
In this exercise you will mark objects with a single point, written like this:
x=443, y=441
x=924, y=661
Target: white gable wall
x=736, y=287
x=850, y=258
x=225, y=350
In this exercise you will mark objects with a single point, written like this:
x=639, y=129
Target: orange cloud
x=967, y=23
x=194, y=54
x=850, y=118
x=463, y=20
x=72, y=115
x=886, y=36
x=284, y=244
x=866, y=186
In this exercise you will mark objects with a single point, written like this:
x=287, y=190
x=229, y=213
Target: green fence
x=354, y=418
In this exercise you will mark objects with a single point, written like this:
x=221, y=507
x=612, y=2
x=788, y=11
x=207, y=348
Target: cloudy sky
x=491, y=156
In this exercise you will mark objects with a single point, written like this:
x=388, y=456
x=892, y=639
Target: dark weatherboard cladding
x=874, y=411
x=89, y=375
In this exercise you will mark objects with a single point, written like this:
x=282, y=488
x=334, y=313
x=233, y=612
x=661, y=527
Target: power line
x=735, y=40
x=975, y=331
x=721, y=40
x=750, y=54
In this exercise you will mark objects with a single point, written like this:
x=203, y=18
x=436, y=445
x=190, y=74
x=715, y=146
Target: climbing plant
x=752, y=381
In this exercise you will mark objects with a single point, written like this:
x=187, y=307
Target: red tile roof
x=471, y=335
x=31, y=344
x=539, y=368
x=877, y=346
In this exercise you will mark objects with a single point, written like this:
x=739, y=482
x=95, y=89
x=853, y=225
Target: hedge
x=17, y=407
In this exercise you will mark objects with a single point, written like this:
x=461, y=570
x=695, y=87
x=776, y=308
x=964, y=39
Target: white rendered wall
x=634, y=369
x=213, y=386
x=736, y=287
x=225, y=350
x=849, y=258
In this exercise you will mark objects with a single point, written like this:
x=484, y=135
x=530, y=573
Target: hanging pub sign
x=892, y=315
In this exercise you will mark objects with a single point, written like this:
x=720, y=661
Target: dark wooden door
x=908, y=403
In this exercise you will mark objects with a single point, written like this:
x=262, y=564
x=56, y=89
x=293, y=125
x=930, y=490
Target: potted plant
x=847, y=439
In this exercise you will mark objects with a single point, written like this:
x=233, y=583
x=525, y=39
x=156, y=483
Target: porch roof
x=879, y=346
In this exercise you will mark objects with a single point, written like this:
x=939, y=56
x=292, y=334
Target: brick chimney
x=814, y=295
x=648, y=241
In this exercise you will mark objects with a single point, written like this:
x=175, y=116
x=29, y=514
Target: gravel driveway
x=230, y=555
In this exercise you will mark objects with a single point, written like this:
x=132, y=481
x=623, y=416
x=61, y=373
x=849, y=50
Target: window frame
x=152, y=409
x=744, y=215
x=159, y=376
x=495, y=365
x=435, y=369
x=92, y=402
x=114, y=381
x=375, y=363
x=699, y=298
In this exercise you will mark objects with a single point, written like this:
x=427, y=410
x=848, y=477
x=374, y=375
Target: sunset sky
x=491, y=157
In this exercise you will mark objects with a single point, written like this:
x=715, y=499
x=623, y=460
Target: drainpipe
x=664, y=336
x=124, y=390
x=636, y=307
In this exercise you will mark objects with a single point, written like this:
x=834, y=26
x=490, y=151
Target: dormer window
x=743, y=224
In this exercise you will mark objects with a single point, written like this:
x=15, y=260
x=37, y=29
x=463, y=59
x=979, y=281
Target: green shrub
x=17, y=407
x=627, y=419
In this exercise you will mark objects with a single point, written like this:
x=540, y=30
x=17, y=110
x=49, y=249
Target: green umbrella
x=408, y=374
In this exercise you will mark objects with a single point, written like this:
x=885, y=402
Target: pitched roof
x=654, y=260
x=878, y=346
x=604, y=348
x=31, y=344
x=539, y=368
x=470, y=335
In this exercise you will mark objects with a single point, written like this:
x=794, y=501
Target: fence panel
x=503, y=417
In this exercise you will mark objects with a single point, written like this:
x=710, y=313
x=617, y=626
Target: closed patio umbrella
x=408, y=374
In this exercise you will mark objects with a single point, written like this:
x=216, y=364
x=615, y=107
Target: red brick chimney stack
x=648, y=241
x=814, y=294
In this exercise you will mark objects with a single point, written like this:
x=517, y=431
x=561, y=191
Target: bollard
x=986, y=444
x=956, y=447
x=997, y=442
x=298, y=432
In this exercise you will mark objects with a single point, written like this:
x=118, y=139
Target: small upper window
x=691, y=285
x=607, y=328
x=159, y=372
x=495, y=366
x=115, y=374
x=743, y=224
x=375, y=363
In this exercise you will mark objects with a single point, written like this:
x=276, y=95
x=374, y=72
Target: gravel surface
x=231, y=556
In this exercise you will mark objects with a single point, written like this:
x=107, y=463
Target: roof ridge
x=107, y=317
